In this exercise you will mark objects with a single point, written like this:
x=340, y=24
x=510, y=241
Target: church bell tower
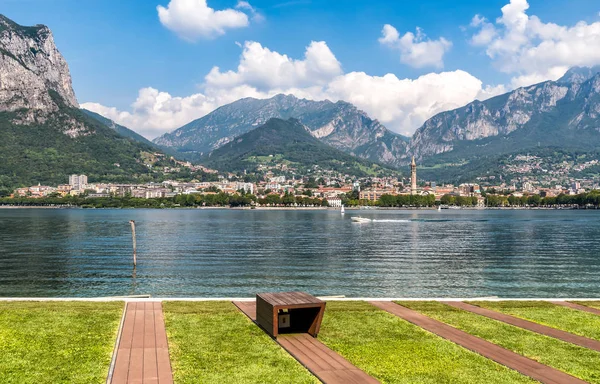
x=413, y=177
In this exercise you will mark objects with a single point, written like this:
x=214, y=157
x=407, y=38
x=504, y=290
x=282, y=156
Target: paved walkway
x=327, y=365
x=529, y=325
x=143, y=352
x=531, y=368
x=579, y=307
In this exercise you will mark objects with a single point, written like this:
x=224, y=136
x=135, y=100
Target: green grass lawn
x=213, y=342
x=395, y=351
x=572, y=359
x=570, y=320
x=57, y=342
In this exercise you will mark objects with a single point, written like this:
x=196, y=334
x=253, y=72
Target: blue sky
x=117, y=48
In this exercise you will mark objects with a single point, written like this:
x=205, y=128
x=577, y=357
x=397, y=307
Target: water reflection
x=237, y=253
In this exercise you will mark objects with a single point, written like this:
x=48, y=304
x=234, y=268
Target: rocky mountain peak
x=548, y=113
x=32, y=70
x=339, y=124
x=579, y=75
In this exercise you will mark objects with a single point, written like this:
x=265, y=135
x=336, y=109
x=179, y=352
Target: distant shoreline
x=352, y=209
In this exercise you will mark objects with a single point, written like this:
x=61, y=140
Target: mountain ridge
x=120, y=129
x=531, y=111
x=286, y=141
x=339, y=124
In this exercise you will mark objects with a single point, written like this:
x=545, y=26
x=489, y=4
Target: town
x=326, y=189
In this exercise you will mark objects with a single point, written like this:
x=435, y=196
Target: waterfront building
x=78, y=181
x=335, y=202
x=21, y=191
x=468, y=189
x=375, y=194
x=247, y=187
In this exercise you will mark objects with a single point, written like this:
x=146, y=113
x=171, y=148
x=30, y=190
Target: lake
x=236, y=253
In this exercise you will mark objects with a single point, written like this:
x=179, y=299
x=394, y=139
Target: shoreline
x=324, y=298
x=367, y=208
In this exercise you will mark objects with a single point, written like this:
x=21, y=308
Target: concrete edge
x=113, y=361
x=326, y=298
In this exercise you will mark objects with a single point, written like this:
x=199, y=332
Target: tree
x=311, y=183
x=447, y=200
x=288, y=199
x=534, y=200
x=388, y=201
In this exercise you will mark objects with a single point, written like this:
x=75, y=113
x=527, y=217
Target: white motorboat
x=358, y=219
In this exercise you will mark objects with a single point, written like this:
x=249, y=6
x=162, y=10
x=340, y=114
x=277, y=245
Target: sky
x=155, y=65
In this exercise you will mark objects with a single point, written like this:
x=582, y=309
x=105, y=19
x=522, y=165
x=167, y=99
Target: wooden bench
x=289, y=312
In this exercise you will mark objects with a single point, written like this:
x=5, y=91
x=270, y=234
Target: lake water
x=236, y=253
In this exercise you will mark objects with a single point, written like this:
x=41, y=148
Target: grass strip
x=574, y=360
x=571, y=320
x=57, y=342
x=396, y=351
x=213, y=342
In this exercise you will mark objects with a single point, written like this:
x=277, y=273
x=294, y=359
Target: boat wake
x=391, y=221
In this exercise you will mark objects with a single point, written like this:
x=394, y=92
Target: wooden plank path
x=529, y=325
x=143, y=352
x=579, y=307
x=325, y=364
x=522, y=364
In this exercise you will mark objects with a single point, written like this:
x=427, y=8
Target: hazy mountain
x=45, y=137
x=285, y=142
x=340, y=125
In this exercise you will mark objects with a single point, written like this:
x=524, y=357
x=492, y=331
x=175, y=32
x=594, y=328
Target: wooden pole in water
x=134, y=242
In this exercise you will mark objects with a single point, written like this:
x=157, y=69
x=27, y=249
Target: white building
x=277, y=179
x=334, y=202
x=247, y=187
x=78, y=181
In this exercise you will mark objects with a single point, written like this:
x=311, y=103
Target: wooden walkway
x=524, y=365
x=143, y=352
x=325, y=364
x=529, y=325
x=579, y=307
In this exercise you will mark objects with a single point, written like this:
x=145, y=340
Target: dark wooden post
x=134, y=242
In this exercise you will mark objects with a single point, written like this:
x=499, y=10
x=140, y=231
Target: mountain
x=45, y=137
x=563, y=114
x=121, y=130
x=340, y=125
x=578, y=74
x=286, y=142
x=31, y=67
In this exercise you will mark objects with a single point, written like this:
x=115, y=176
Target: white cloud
x=244, y=5
x=401, y=104
x=416, y=50
x=265, y=69
x=194, y=19
x=487, y=31
x=532, y=50
x=256, y=16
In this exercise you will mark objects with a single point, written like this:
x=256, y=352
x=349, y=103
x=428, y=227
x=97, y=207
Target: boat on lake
x=358, y=219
